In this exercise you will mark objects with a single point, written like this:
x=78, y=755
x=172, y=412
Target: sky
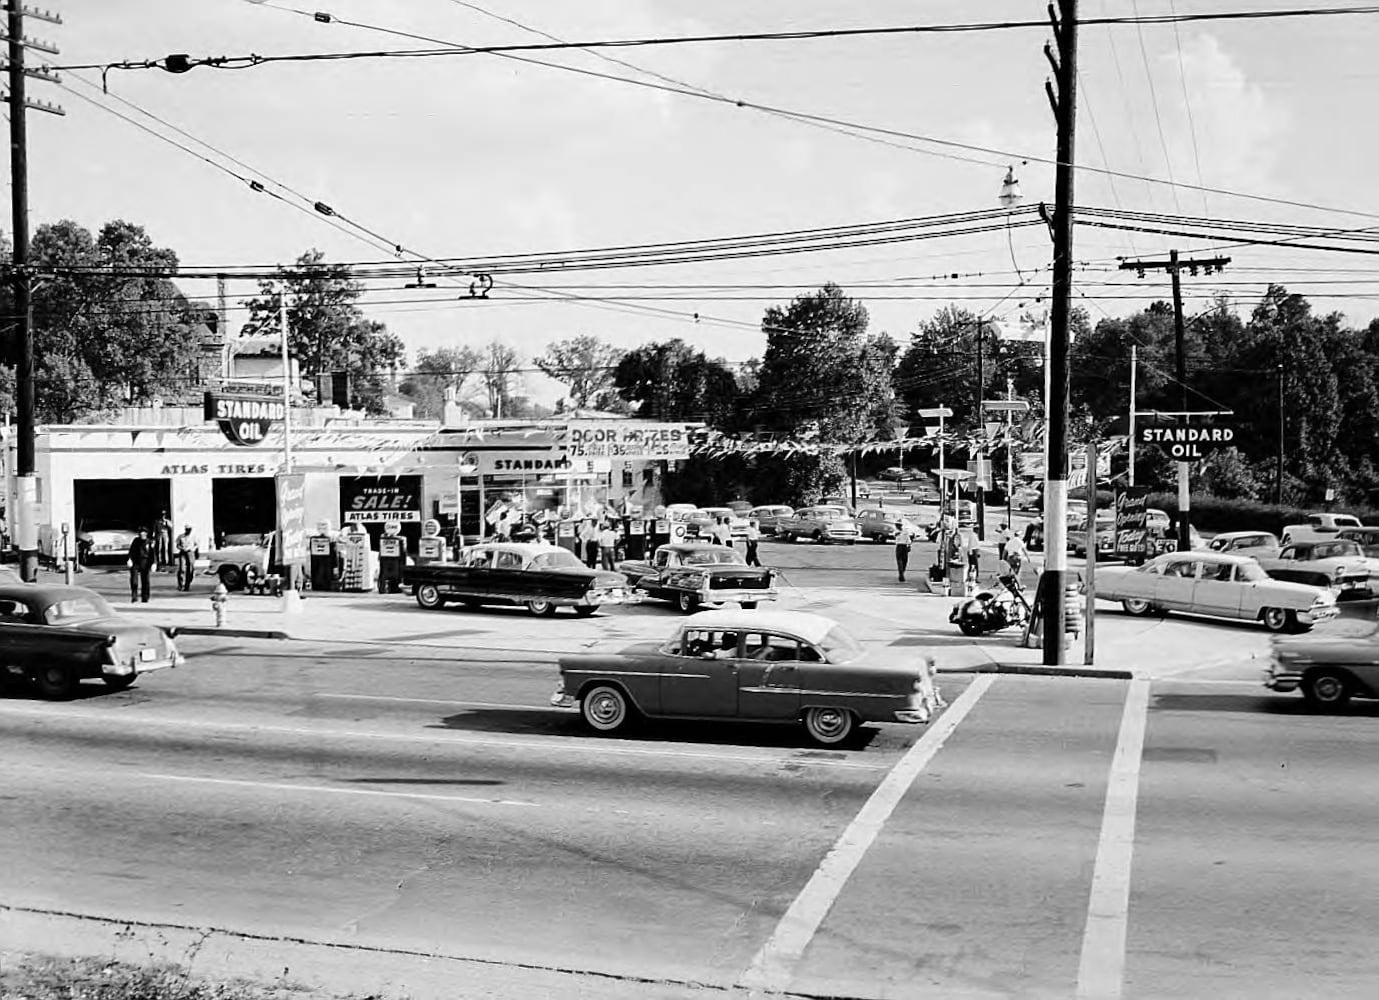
x=484, y=154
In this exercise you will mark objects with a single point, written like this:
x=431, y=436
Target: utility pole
x=981, y=443
x=1173, y=266
x=1278, y=464
x=26, y=533
x=1134, y=364
x=1062, y=94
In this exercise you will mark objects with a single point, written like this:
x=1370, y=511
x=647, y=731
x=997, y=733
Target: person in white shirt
x=753, y=538
x=723, y=532
x=608, y=546
x=588, y=542
x=904, y=536
x=1003, y=538
x=1015, y=555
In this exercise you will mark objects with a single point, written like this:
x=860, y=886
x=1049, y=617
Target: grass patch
x=43, y=977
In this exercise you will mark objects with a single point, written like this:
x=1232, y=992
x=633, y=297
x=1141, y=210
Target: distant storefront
x=345, y=470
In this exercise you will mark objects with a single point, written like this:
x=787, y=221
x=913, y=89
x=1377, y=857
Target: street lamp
x=1010, y=195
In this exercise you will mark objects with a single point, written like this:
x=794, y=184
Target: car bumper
x=559, y=699
x=913, y=716
x=720, y=596
x=1276, y=679
x=617, y=596
x=1315, y=616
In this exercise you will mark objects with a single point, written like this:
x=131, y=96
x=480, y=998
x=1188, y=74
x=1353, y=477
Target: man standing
x=1003, y=537
x=1015, y=556
x=753, y=538
x=162, y=541
x=608, y=546
x=723, y=532
x=140, y=561
x=904, y=536
x=589, y=542
x=188, y=548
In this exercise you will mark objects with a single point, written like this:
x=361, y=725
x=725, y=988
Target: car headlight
x=1340, y=572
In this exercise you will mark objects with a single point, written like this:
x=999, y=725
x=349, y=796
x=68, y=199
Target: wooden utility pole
x=26, y=527
x=1062, y=94
x=1173, y=266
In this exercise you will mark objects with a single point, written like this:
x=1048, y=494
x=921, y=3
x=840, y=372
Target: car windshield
x=1330, y=550
x=839, y=646
x=70, y=610
x=830, y=513
x=713, y=557
x=245, y=538
x=557, y=559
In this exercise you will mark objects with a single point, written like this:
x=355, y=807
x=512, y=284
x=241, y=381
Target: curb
x=236, y=633
x=1040, y=671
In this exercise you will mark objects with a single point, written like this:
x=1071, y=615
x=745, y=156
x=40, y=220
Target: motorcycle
x=992, y=609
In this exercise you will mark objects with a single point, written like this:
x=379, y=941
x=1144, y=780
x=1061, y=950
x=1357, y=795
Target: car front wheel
x=232, y=577
x=829, y=726
x=1279, y=620
x=605, y=708
x=429, y=597
x=540, y=608
x=688, y=603
x=1136, y=606
x=1326, y=689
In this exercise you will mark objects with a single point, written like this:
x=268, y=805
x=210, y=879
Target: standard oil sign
x=244, y=419
x=1187, y=443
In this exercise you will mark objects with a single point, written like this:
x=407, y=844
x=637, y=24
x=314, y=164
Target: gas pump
x=323, y=557
x=392, y=556
x=431, y=547
x=356, y=559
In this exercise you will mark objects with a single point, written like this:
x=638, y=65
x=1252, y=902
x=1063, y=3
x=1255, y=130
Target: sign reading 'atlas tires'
x=1187, y=444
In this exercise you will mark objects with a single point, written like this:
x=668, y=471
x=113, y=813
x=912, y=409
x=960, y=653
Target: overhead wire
x=1154, y=104
x=1187, y=106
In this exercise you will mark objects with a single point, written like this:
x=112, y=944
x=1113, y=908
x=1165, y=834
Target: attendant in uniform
x=140, y=562
x=188, y=548
x=753, y=539
x=904, y=537
x=608, y=546
x=589, y=542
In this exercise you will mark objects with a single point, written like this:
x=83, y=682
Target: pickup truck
x=1338, y=563
x=57, y=636
x=1319, y=527
x=534, y=575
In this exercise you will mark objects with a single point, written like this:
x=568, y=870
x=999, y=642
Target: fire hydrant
x=219, y=598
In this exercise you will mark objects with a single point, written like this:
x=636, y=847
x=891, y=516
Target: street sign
x=1006, y=405
x=980, y=470
x=1187, y=444
x=935, y=412
x=957, y=475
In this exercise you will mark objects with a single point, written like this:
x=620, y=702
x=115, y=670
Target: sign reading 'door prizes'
x=244, y=418
x=1132, y=521
x=1186, y=443
x=380, y=499
x=628, y=440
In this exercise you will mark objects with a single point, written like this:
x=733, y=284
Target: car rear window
x=76, y=609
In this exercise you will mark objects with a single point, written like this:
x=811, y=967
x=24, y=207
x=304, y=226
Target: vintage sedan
x=1105, y=536
x=1216, y=584
x=1255, y=544
x=758, y=666
x=1366, y=538
x=533, y=575
x=693, y=575
x=104, y=539
x=822, y=524
x=1329, y=669
x=768, y=516
x=57, y=636
x=1336, y=562
x=881, y=525
x=737, y=523
x=241, y=557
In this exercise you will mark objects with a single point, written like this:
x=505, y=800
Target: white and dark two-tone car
x=694, y=574
x=751, y=666
x=1216, y=584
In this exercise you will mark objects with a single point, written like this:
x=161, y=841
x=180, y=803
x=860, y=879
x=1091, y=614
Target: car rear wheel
x=1136, y=606
x=688, y=603
x=1326, y=688
x=118, y=682
x=829, y=726
x=585, y=610
x=430, y=597
x=56, y=681
x=541, y=608
x=232, y=577
x=1279, y=620
x=605, y=708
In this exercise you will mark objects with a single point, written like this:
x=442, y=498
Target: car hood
x=1330, y=649
x=108, y=535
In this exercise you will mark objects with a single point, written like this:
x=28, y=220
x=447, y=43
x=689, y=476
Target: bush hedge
x=1210, y=513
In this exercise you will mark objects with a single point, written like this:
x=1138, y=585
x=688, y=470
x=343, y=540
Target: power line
x=1187, y=106
x=1154, y=103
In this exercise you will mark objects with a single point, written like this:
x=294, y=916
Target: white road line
x=1101, y=971
x=439, y=701
x=276, y=786
x=774, y=965
x=591, y=746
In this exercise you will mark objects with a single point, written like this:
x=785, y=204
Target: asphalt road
x=1044, y=838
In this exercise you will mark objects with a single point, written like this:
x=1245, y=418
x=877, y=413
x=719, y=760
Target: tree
x=327, y=332
x=436, y=372
x=585, y=364
x=672, y=381
x=501, y=377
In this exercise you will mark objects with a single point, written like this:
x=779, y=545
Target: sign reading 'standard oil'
x=244, y=419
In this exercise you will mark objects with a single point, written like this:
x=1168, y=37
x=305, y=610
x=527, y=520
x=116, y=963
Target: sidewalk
x=906, y=616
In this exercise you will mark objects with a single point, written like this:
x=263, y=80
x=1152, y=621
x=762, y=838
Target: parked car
x=896, y=474
x=822, y=524
x=1328, y=669
x=1217, y=584
x=57, y=636
x=240, y=558
x=881, y=525
x=1338, y=563
x=1105, y=536
x=1366, y=538
x=1319, y=527
x=538, y=576
x=925, y=493
x=737, y=523
x=768, y=516
x=1156, y=519
x=695, y=575
x=1255, y=544
x=758, y=666
x=104, y=539
x=1027, y=498
x=739, y=506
